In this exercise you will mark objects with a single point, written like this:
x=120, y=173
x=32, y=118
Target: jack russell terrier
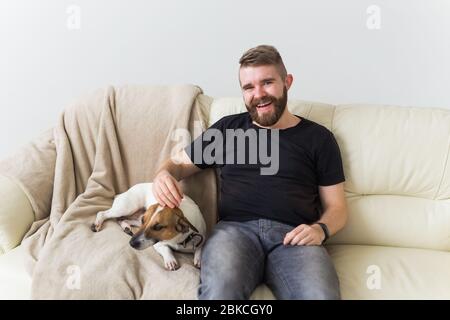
x=181, y=228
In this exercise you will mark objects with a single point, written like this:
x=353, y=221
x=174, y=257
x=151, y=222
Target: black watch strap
x=325, y=230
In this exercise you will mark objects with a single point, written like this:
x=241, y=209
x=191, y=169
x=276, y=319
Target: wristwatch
x=325, y=231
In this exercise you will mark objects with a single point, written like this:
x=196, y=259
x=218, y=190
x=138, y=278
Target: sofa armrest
x=32, y=168
x=16, y=214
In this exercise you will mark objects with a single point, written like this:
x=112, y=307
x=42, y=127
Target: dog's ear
x=183, y=224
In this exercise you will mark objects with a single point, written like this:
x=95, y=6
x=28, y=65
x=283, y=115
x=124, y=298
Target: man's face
x=264, y=92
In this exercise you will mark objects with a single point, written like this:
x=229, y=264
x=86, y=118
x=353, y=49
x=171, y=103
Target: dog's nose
x=140, y=242
x=135, y=243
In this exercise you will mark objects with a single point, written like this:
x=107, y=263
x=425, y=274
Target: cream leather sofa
x=397, y=240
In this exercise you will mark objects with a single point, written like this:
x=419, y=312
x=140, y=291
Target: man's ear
x=288, y=81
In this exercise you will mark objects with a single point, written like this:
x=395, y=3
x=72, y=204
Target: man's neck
x=286, y=120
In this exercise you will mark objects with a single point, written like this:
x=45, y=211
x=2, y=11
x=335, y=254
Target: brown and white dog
x=181, y=228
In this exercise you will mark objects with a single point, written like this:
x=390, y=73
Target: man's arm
x=335, y=207
x=166, y=187
x=334, y=216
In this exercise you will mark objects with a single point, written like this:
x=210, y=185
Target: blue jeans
x=238, y=256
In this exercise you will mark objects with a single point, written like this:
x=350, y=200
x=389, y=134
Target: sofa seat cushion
x=376, y=272
x=15, y=283
x=262, y=292
x=365, y=272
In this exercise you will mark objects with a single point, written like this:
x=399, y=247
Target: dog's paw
x=96, y=227
x=197, y=257
x=197, y=263
x=171, y=264
x=128, y=231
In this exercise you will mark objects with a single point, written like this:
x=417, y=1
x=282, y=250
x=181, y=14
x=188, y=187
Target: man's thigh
x=232, y=262
x=301, y=272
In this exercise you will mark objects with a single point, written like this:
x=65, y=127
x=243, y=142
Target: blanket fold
x=101, y=146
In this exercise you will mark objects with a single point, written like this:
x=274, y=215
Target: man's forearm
x=173, y=169
x=179, y=170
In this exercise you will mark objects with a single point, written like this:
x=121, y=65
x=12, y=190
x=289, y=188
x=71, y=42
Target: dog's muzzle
x=139, y=242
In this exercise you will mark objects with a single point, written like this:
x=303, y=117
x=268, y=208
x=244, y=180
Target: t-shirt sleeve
x=329, y=162
x=206, y=151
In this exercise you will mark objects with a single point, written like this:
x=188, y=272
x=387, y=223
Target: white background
x=326, y=45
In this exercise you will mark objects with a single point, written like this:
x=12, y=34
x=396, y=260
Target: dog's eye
x=158, y=227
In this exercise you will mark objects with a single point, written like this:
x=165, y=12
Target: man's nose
x=259, y=92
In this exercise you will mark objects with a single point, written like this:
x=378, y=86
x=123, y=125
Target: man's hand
x=305, y=235
x=167, y=190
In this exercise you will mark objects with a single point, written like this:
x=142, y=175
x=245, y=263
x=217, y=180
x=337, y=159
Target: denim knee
x=232, y=263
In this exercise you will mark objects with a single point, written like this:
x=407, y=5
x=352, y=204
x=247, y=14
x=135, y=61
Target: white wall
x=327, y=45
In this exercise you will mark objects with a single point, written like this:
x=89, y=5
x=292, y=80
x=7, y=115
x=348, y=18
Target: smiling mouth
x=264, y=104
x=264, y=108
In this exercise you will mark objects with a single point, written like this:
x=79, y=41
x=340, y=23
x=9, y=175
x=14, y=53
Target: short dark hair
x=263, y=55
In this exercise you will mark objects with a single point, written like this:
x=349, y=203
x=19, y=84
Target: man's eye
x=158, y=227
x=267, y=82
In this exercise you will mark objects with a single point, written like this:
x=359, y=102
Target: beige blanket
x=101, y=146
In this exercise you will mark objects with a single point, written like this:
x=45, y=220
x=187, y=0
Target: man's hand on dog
x=167, y=190
x=305, y=235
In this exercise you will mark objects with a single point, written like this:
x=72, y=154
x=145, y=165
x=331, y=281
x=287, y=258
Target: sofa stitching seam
x=443, y=171
x=332, y=118
x=310, y=110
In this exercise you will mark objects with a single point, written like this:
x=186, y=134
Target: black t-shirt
x=308, y=156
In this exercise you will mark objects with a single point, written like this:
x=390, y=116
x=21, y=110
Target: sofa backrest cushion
x=397, y=168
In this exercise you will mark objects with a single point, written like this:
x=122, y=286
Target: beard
x=268, y=119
